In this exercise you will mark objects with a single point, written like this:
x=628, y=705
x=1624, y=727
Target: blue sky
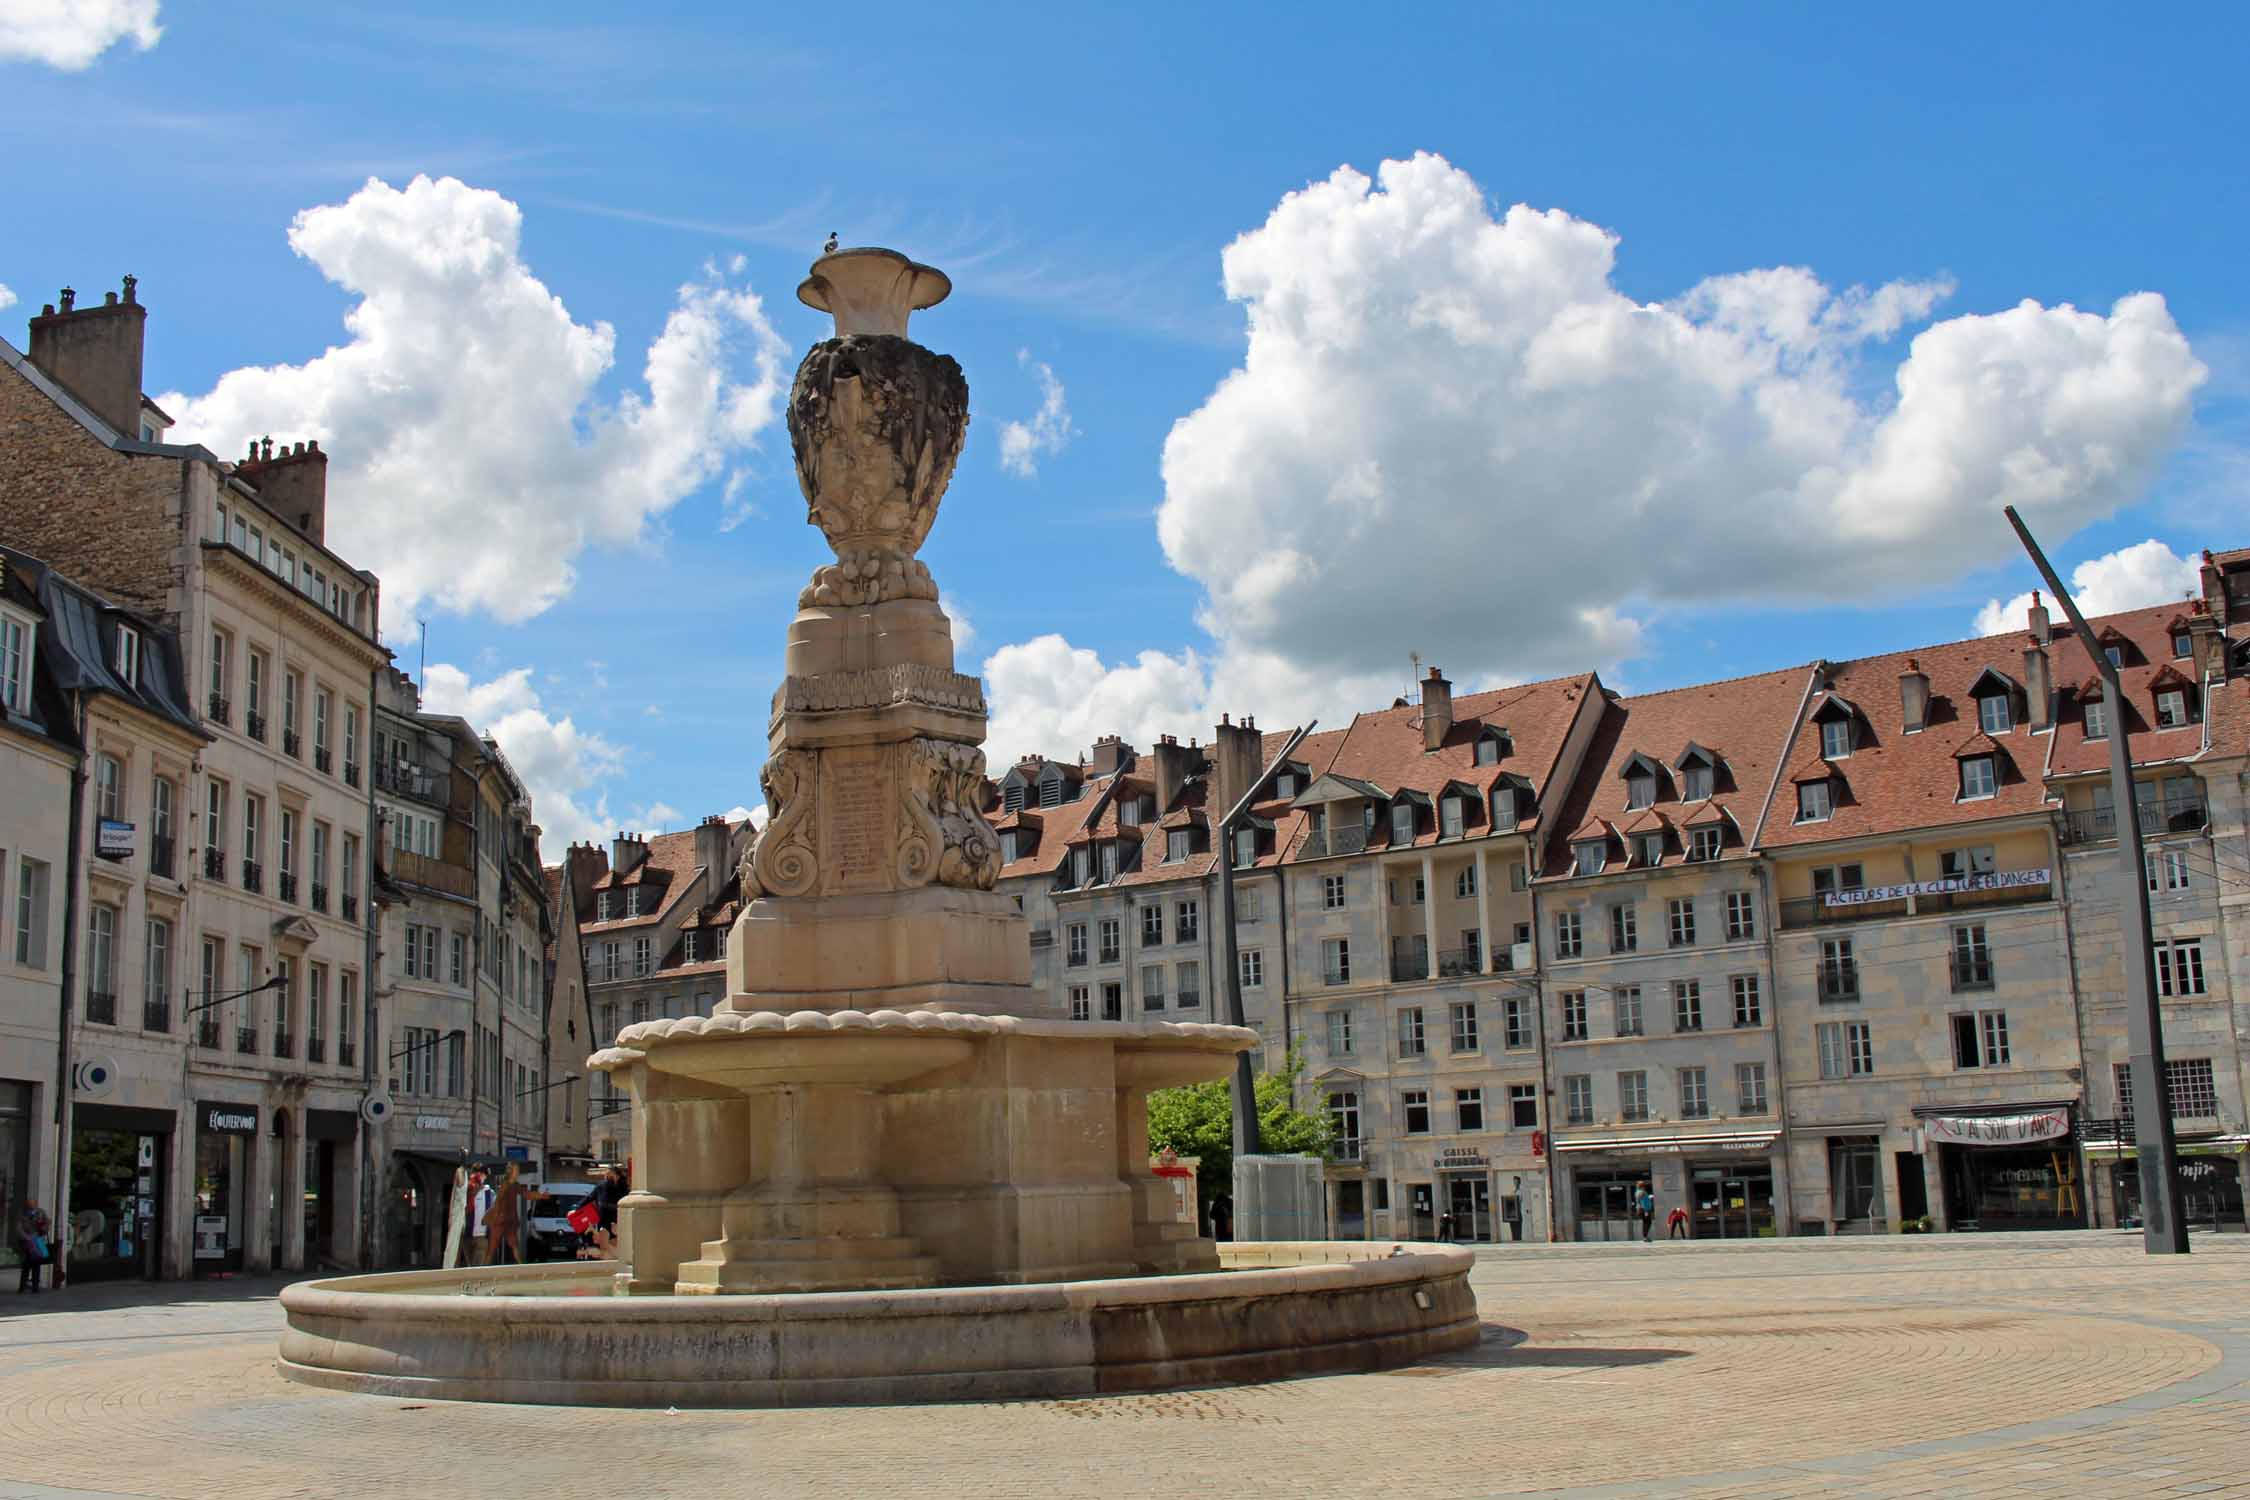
x=606, y=568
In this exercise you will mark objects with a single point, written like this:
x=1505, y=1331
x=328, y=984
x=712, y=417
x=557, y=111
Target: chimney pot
x=109, y=299
x=70, y=300
x=47, y=310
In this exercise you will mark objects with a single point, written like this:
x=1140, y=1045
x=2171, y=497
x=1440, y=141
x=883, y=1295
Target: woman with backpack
x=33, y=1246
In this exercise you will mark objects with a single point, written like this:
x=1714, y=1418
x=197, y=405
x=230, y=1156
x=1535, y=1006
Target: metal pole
x=2162, y=1232
x=1245, y=1089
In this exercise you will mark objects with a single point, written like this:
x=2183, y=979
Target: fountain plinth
x=879, y=1110
x=877, y=1103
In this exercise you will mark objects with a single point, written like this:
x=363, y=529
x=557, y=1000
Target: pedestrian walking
x=504, y=1220
x=1222, y=1219
x=480, y=1207
x=1644, y=1203
x=1675, y=1223
x=608, y=1193
x=34, y=1248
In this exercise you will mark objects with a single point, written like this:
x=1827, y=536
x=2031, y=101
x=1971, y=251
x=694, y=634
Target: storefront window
x=15, y=1162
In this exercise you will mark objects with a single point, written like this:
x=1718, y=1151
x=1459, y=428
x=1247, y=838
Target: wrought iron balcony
x=219, y=710
x=1839, y=980
x=351, y=773
x=405, y=780
x=1972, y=971
x=246, y=1040
x=322, y=760
x=347, y=1051
x=284, y=1045
x=1349, y=839
x=160, y=855
x=348, y=909
x=101, y=1007
x=286, y=886
x=289, y=743
x=214, y=864
x=156, y=1015
x=1187, y=1000
x=253, y=875
x=1454, y=963
x=207, y=1031
x=1409, y=964
x=319, y=897
x=254, y=724
x=1337, y=976
x=316, y=1049
x=1348, y=1150
x=2174, y=814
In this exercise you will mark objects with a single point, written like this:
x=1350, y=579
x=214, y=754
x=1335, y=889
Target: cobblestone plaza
x=1997, y=1365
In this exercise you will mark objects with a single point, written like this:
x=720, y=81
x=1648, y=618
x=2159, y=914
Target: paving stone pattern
x=1962, y=1366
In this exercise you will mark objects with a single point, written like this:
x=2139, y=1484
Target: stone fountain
x=877, y=1113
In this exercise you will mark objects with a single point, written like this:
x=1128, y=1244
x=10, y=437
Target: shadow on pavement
x=1503, y=1349
x=109, y=1296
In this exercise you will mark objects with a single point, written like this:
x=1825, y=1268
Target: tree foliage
x=1198, y=1121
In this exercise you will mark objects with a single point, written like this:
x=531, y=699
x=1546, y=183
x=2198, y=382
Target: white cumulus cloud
x=1048, y=432
x=7, y=296
x=1451, y=434
x=70, y=34
x=2130, y=578
x=1054, y=698
x=472, y=457
x=738, y=812
x=565, y=769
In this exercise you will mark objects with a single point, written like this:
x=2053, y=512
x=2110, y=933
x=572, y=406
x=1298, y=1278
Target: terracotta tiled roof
x=2149, y=664
x=1742, y=722
x=669, y=867
x=1057, y=825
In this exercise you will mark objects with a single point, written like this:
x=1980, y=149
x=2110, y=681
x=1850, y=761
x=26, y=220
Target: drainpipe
x=60, y=1236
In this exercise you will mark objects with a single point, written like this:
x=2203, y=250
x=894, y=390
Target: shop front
x=2210, y=1176
x=226, y=1140
x=1725, y=1182
x=2017, y=1169
x=118, y=1165
x=427, y=1145
x=16, y=1186
x=331, y=1137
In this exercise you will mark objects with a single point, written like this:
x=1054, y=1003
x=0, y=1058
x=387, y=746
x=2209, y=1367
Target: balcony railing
x=351, y=773
x=219, y=709
x=253, y=875
x=214, y=864
x=1454, y=963
x=347, y=1051
x=254, y=724
x=2172, y=815
x=284, y=1045
x=207, y=1031
x=1810, y=911
x=101, y=1007
x=1350, y=1150
x=160, y=850
x=348, y=909
x=1839, y=981
x=1187, y=1000
x=289, y=744
x=412, y=781
x=316, y=1049
x=1350, y=839
x=322, y=760
x=156, y=1015
x=246, y=1040
x=1337, y=976
x=319, y=897
x=432, y=873
x=286, y=885
x=1972, y=971
x=1407, y=966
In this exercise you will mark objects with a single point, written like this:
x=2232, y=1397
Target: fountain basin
x=550, y=1335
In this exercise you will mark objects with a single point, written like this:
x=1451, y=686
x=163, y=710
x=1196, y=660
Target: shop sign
x=210, y=1236
x=433, y=1122
x=1998, y=1130
x=229, y=1119
x=1461, y=1156
x=113, y=840
x=1995, y=880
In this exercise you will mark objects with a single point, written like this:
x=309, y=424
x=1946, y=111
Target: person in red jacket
x=1675, y=1223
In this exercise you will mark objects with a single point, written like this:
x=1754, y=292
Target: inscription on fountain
x=859, y=804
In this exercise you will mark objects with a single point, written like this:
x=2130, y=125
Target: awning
x=2222, y=1145
x=1675, y=1145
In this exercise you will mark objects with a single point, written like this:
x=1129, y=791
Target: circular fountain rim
x=634, y=1040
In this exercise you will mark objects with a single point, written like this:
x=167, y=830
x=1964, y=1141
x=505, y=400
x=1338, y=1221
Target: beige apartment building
x=260, y=1136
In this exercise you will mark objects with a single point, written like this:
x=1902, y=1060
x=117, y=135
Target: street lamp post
x=1245, y=1089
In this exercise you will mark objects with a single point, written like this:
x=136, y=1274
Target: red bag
x=584, y=1217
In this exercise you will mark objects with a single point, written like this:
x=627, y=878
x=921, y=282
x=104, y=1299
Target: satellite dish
x=94, y=1077
x=375, y=1108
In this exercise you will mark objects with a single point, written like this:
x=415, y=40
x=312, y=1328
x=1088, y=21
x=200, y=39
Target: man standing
x=1644, y=1203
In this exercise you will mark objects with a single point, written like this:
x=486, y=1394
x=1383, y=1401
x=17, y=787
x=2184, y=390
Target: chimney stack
x=293, y=482
x=2214, y=588
x=1111, y=755
x=2038, y=676
x=1237, y=755
x=1914, y=696
x=1174, y=764
x=626, y=852
x=95, y=354
x=712, y=837
x=1437, y=709
x=2040, y=634
x=584, y=864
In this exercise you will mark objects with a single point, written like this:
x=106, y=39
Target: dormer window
x=1008, y=847
x=1178, y=844
x=1011, y=796
x=2183, y=644
x=1704, y=844
x=1995, y=714
x=2097, y=719
x=1835, y=738
x=1979, y=777
x=128, y=659
x=1051, y=789
x=1109, y=861
x=1588, y=858
x=1285, y=784
x=1648, y=848
x=1081, y=865
x=1698, y=782
x=1640, y=790
x=2116, y=655
x=1129, y=813
x=2171, y=708
x=605, y=906
x=1504, y=808
x=1245, y=847
x=1815, y=802
x=1402, y=823
x=1452, y=817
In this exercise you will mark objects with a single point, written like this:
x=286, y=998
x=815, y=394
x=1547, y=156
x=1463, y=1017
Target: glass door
x=1469, y=1201
x=1855, y=1182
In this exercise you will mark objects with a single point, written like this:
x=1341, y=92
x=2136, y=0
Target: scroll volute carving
x=782, y=859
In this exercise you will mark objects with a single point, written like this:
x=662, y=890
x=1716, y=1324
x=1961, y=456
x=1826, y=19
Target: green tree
x=1198, y=1121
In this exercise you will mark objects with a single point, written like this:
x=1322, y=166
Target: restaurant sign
x=113, y=839
x=1998, y=1130
x=1994, y=880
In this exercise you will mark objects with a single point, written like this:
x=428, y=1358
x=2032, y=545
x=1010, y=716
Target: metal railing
x=1352, y=1149
x=319, y=897
x=285, y=886
x=1346, y=840
x=1808, y=911
x=1406, y=966
x=160, y=850
x=348, y=908
x=1453, y=963
x=1839, y=980
x=219, y=709
x=1187, y=1000
x=417, y=782
x=351, y=773
x=2171, y=815
x=101, y=1007
x=246, y=1040
x=1972, y=971
x=253, y=875
x=316, y=1049
x=1337, y=976
x=254, y=725
x=214, y=864
x=207, y=1031
x=322, y=760
x=156, y=1015
x=284, y=1045
x=347, y=1051
x=289, y=743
